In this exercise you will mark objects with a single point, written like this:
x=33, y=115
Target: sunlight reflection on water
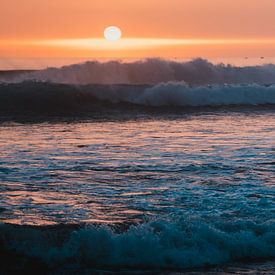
x=216, y=165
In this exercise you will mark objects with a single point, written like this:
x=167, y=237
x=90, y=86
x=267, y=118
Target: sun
x=112, y=33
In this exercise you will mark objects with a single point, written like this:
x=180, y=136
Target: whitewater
x=151, y=83
x=153, y=166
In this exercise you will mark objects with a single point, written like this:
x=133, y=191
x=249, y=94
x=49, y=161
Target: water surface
x=197, y=188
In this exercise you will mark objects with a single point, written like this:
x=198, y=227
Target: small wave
x=159, y=244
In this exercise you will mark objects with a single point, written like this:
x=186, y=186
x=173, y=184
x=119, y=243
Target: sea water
x=185, y=190
x=164, y=178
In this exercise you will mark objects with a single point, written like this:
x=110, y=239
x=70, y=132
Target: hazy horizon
x=7, y=64
x=181, y=29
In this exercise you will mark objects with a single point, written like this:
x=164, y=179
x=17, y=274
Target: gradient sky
x=163, y=28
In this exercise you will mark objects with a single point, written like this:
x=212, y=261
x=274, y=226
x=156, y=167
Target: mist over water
x=153, y=71
x=151, y=165
x=151, y=82
x=89, y=86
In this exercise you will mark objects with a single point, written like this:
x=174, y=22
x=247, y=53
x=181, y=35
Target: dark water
x=152, y=167
x=158, y=193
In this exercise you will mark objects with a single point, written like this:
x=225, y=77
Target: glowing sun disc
x=112, y=33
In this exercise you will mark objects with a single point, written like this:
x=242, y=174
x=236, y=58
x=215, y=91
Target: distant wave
x=158, y=244
x=154, y=71
x=50, y=97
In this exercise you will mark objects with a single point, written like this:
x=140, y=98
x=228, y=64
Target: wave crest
x=157, y=244
x=178, y=94
x=154, y=71
x=51, y=98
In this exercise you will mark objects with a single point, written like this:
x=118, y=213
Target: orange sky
x=34, y=28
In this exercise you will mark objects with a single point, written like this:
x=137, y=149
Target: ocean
x=131, y=174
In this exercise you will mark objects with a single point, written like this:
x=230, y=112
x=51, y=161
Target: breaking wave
x=49, y=97
x=158, y=244
x=154, y=71
x=151, y=82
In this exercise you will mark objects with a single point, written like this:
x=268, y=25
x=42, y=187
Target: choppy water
x=185, y=191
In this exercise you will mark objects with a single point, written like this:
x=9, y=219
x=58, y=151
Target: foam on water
x=49, y=97
x=160, y=244
x=178, y=94
x=151, y=82
x=188, y=191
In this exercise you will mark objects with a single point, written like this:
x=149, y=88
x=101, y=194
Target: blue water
x=174, y=191
x=150, y=166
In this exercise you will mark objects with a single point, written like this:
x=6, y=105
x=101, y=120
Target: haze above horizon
x=168, y=29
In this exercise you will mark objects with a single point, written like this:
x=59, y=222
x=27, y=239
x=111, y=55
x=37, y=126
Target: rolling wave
x=153, y=71
x=157, y=244
x=50, y=97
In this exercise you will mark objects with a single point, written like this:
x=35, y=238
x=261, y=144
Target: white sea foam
x=178, y=94
x=157, y=244
x=35, y=96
